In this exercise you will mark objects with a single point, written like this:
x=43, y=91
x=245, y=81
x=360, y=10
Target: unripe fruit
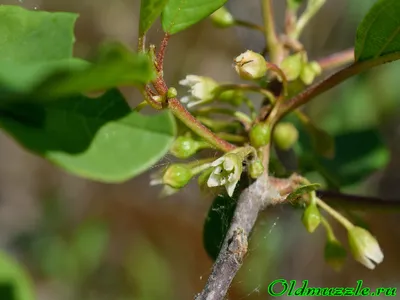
x=222, y=18
x=335, y=254
x=307, y=74
x=292, y=66
x=184, y=147
x=177, y=176
x=260, y=135
x=172, y=92
x=311, y=218
x=255, y=168
x=285, y=135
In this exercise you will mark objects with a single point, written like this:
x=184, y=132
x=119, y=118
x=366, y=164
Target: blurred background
x=84, y=240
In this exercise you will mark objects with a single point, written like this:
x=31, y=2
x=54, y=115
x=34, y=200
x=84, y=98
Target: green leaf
x=300, y=191
x=358, y=155
x=150, y=10
x=100, y=139
x=379, y=32
x=181, y=14
x=32, y=36
x=15, y=283
x=217, y=223
x=115, y=66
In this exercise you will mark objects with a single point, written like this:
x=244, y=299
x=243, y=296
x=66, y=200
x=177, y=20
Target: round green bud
x=222, y=18
x=256, y=168
x=292, y=66
x=285, y=135
x=184, y=147
x=335, y=254
x=311, y=218
x=233, y=97
x=307, y=75
x=315, y=66
x=177, y=176
x=172, y=92
x=260, y=135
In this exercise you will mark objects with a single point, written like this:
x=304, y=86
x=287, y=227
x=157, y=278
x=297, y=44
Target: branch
x=253, y=199
x=335, y=80
x=337, y=60
x=190, y=121
x=273, y=43
x=359, y=202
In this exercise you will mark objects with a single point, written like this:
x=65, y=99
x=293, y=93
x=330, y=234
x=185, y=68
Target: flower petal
x=230, y=187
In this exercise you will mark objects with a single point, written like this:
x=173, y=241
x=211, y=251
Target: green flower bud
x=311, y=218
x=172, y=92
x=285, y=135
x=335, y=254
x=307, y=75
x=234, y=97
x=184, y=147
x=222, y=18
x=260, y=135
x=256, y=168
x=364, y=247
x=250, y=65
x=315, y=67
x=292, y=66
x=177, y=176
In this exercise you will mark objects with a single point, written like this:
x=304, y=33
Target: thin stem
x=359, y=202
x=273, y=43
x=190, y=121
x=161, y=53
x=142, y=44
x=141, y=105
x=339, y=217
x=337, y=60
x=246, y=87
x=250, y=25
x=312, y=8
x=205, y=111
x=329, y=230
x=232, y=137
x=335, y=80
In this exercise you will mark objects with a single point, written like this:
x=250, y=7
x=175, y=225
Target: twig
x=337, y=60
x=273, y=44
x=335, y=80
x=359, y=202
x=253, y=199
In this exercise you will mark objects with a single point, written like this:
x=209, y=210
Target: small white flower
x=227, y=171
x=201, y=89
x=365, y=247
x=250, y=65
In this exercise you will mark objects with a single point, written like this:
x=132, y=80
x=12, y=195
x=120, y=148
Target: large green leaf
x=150, y=10
x=100, y=139
x=31, y=36
x=15, y=283
x=36, y=57
x=115, y=66
x=379, y=32
x=181, y=14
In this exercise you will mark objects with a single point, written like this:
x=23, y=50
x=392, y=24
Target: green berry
x=285, y=135
x=177, y=176
x=260, y=135
x=311, y=218
x=184, y=147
